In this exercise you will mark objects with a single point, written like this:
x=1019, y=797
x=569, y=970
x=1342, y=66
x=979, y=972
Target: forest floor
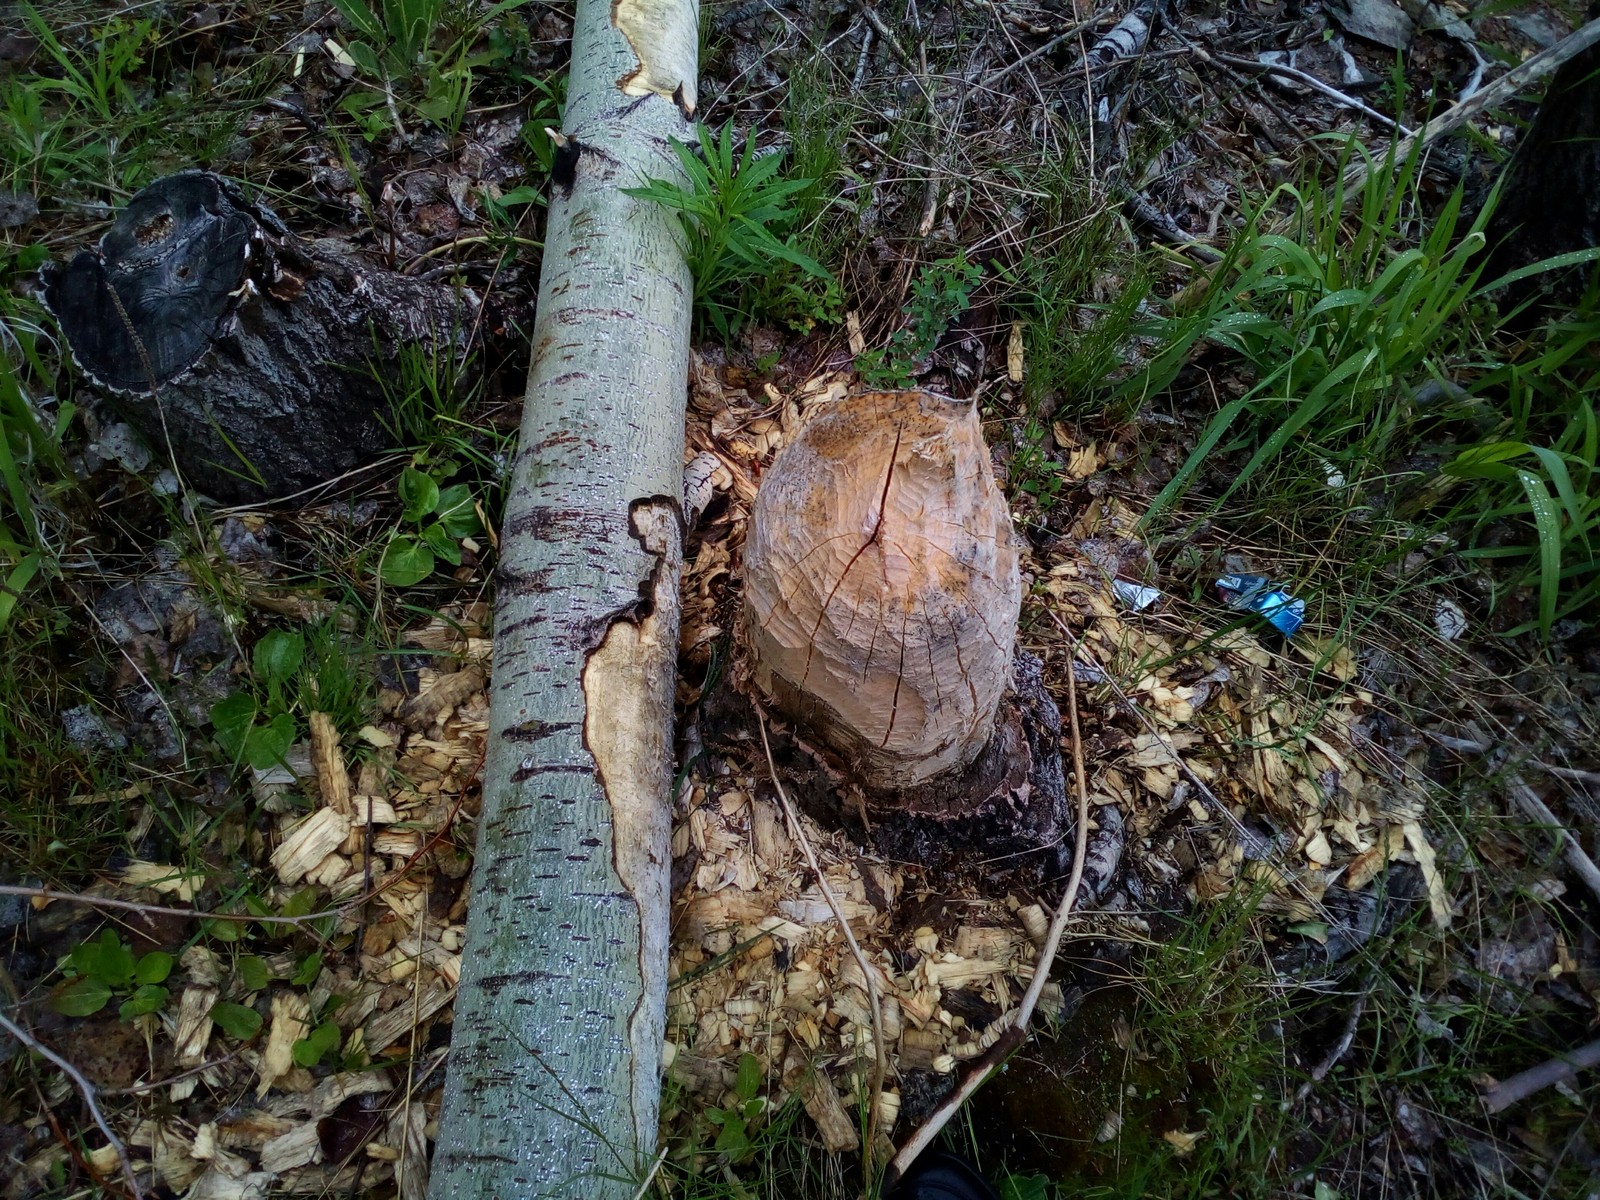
x=1325, y=927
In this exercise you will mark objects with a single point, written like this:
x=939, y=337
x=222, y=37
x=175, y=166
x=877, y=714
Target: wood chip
x=160, y=877
x=193, y=1030
x=308, y=843
x=827, y=1110
x=1438, y=895
x=290, y=1021
x=327, y=760
x=445, y=692
x=383, y=1031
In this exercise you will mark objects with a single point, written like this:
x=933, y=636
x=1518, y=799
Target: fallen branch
x=1255, y=66
x=85, y=1089
x=981, y=1068
x=1536, y=68
x=880, y=1064
x=1470, y=746
x=996, y=76
x=9, y=889
x=1563, y=1068
x=1537, y=810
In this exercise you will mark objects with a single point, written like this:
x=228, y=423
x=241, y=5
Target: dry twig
x=1563, y=1068
x=1017, y=1032
x=1311, y=81
x=880, y=1064
x=9, y=889
x=1546, y=62
x=85, y=1089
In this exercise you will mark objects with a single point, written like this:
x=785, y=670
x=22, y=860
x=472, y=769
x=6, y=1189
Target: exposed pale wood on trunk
x=554, y=1069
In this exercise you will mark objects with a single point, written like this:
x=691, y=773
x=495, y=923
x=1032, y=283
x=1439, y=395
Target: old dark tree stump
x=1550, y=199
x=260, y=361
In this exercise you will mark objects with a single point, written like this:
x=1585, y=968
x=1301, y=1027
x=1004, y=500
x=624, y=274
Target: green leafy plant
x=32, y=467
x=1537, y=471
x=737, y=219
x=1341, y=329
x=735, y=1123
x=261, y=730
x=320, y=670
x=236, y=1020
x=422, y=49
x=433, y=520
x=941, y=292
x=322, y=1041
x=100, y=970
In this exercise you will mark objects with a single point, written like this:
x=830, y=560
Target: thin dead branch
x=1545, y=63
x=1563, y=1068
x=1017, y=1032
x=880, y=1065
x=85, y=1089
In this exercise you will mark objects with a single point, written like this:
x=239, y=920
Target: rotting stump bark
x=262, y=363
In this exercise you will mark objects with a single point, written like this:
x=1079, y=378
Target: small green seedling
x=438, y=517
x=735, y=1123
x=260, y=731
x=105, y=968
x=942, y=291
x=317, y=1045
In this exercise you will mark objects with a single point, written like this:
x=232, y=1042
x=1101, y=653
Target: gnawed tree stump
x=261, y=361
x=882, y=592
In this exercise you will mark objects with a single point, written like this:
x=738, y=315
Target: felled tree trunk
x=554, y=1074
x=260, y=361
x=1550, y=195
x=882, y=592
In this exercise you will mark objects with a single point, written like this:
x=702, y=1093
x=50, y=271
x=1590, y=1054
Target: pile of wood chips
x=759, y=965
x=1234, y=765
x=388, y=835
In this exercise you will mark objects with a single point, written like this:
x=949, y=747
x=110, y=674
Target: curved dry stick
x=1535, y=1079
x=880, y=1064
x=85, y=1089
x=1017, y=1032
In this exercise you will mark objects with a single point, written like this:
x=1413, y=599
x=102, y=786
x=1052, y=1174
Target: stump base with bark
x=263, y=364
x=882, y=592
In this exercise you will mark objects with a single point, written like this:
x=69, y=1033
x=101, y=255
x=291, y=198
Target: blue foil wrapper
x=1257, y=593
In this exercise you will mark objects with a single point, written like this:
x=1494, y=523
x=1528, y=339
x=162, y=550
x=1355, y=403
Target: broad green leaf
x=442, y=544
x=266, y=746
x=80, y=998
x=153, y=967
x=302, y=902
x=309, y=1050
x=253, y=973
x=116, y=963
x=146, y=999
x=236, y=1020
x=405, y=562
x=418, y=493
x=748, y=1081
x=231, y=718
x=223, y=931
x=306, y=973
x=457, y=512
x=278, y=655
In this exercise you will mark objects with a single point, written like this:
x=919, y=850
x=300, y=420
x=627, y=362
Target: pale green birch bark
x=554, y=1068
